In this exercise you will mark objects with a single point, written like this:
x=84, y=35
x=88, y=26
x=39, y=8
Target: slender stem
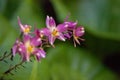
x=12, y=68
x=5, y=56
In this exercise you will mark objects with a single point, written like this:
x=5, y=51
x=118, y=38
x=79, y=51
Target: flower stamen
x=55, y=32
x=27, y=29
x=29, y=47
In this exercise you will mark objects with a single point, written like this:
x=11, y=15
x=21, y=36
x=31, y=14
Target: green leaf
x=69, y=63
x=101, y=18
x=7, y=33
x=65, y=63
x=29, y=14
x=2, y=5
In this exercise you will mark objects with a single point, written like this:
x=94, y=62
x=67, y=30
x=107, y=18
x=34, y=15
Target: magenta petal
x=38, y=56
x=45, y=31
x=15, y=47
x=42, y=53
x=37, y=32
x=67, y=35
x=71, y=25
x=36, y=41
x=21, y=48
x=62, y=27
x=26, y=38
x=51, y=39
x=79, y=31
x=20, y=24
x=26, y=57
x=61, y=37
x=14, y=50
x=50, y=22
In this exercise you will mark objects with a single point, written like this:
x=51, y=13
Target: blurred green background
x=97, y=58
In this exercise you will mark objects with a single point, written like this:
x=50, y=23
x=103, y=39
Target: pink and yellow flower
x=28, y=47
x=54, y=31
x=25, y=29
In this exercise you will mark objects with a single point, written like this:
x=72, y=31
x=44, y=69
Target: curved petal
x=45, y=31
x=71, y=25
x=15, y=47
x=62, y=27
x=26, y=38
x=79, y=31
x=38, y=56
x=14, y=50
x=50, y=22
x=21, y=48
x=40, y=53
x=26, y=57
x=61, y=37
x=67, y=36
x=36, y=41
x=37, y=32
x=20, y=24
x=51, y=39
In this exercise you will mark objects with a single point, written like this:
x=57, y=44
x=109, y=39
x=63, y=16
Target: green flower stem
x=5, y=56
x=12, y=68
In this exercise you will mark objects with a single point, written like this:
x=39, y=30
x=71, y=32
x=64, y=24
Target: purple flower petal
x=62, y=27
x=50, y=22
x=40, y=53
x=37, y=32
x=15, y=48
x=38, y=56
x=36, y=41
x=71, y=25
x=20, y=24
x=67, y=35
x=26, y=38
x=21, y=48
x=79, y=31
x=61, y=37
x=26, y=57
x=24, y=28
x=51, y=39
x=45, y=31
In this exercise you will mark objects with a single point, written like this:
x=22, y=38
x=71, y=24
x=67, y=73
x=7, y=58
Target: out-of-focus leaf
x=7, y=33
x=65, y=63
x=28, y=14
x=99, y=17
x=2, y=5
x=7, y=37
x=10, y=7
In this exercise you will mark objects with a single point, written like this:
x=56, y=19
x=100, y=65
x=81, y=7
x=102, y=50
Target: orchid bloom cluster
x=31, y=43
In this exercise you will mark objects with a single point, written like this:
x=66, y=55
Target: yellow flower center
x=55, y=32
x=27, y=29
x=41, y=35
x=29, y=47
